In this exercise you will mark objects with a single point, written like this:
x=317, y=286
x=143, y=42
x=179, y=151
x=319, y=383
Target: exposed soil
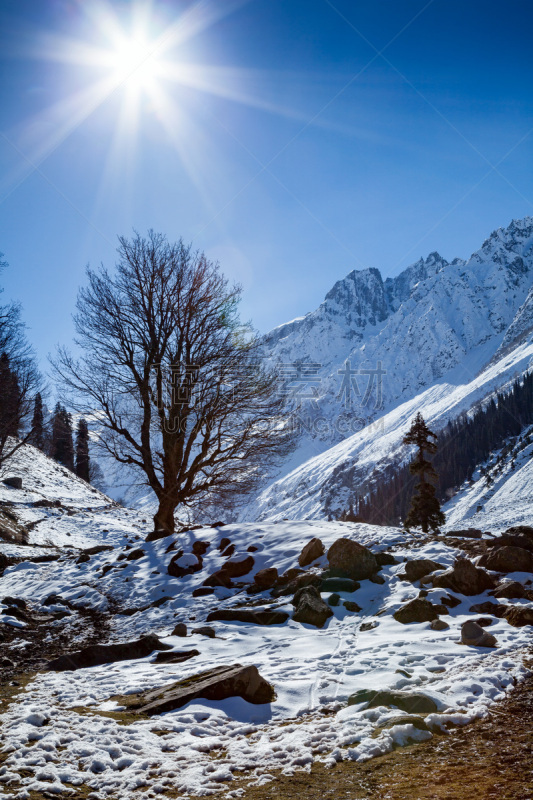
x=490, y=759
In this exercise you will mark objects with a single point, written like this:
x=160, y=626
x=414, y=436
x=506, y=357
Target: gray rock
x=349, y=605
x=175, y=656
x=215, y=684
x=134, y=555
x=339, y=585
x=312, y=550
x=13, y=482
x=368, y=626
x=419, y=567
x=350, y=559
x=496, y=609
x=311, y=609
x=334, y=599
x=510, y=590
x=98, y=654
x=439, y=625
x=205, y=630
x=385, y=559
x=518, y=616
x=473, y=635
x=417, y=610
x=410, y=702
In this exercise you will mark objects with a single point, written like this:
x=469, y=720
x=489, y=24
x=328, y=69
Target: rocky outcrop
x=518, y=616
x=348, y=559
x=464, y=578
x=510, y=590
x=215, y=684
x=312, y=550
x=98, y=654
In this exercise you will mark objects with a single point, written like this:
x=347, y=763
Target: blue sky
x=292, y=140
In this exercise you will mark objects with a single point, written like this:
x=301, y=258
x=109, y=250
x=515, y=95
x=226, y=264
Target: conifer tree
x=37, y=424
x=425, y=510
x=62, y=444
x=10, y=413
x=82, y=450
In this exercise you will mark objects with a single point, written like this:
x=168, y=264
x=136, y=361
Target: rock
x=334, y=600
x=385, y=559
x=134, y=555
x=14, y=601
x=203, y=591
x=13, y=482
x=205, y=630
x=200, y=548
x=309, y=589
x=484, y=622
x=266, y=578
x=417, y=610
x=368, y=626
x=218, y=578
x=215, y=684
x=182, y=565
x=5, y=561
x=312, y=550
x=349, y=605
x=252, y=549
x=238, y=568
x=377, y=578
x=450, y=601
x=439, y=625
x=339, y=585
x=519, y=536
x=419, y=567
x=464, y=578
x=348, y=559
x=473, y=635
x=180, y=630
x=289, y=576
x=510, y=590
x=153, y=536
x=83, y=558
x=54, y=600
x=467, y=533
x=423, y=593
x=228, y=552
x=311, y=609
x=496, y=609
x=508, y=559
x=46, y=504
x=305, y=579
x=224, y=542
x=98, y=654
x=175, y=657
x=98, y=548
x=410, y=702
x=518, y=616
x=256, y=616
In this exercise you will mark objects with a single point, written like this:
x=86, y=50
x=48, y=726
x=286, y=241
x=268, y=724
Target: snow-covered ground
x=53, y=730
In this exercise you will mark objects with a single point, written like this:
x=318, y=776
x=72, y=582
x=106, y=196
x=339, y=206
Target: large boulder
x=464, y=578
x=304, y=579
x=496, y=609
x=13, y=482
x=256, y=616
x=508, y=559
x=215, y=684
x=419, y=567
x=518, y=616
x=510, y=590
x=310, y=608
x=339, y=585
x=474, y=635
x=235, y=568
x=266, y=578
x=519, y=536
x=417, y=610
x=348, y=559
x=411, y=702
x=98, y=654
x=312, y=550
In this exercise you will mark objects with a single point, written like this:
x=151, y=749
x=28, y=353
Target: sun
x=135, y=63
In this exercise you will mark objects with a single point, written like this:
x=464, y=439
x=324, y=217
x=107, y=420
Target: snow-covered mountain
x=438, y=338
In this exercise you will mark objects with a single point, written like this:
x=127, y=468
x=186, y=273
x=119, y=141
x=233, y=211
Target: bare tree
x=19, y=381
x=174, y=377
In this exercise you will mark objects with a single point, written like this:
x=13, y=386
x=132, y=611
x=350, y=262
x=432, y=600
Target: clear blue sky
x=292, y=140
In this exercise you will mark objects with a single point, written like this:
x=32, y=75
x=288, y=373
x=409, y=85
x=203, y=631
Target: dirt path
x=491, y=759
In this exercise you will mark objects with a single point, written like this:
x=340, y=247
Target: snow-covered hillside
x=72, y=730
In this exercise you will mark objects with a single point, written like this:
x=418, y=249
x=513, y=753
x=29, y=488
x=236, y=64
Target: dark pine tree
x=82, y=450
x=37, y=437
x=425, y=510
x=10, y=411
x=62, y=444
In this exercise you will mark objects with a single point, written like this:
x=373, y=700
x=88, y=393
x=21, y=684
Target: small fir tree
x=62, y=444
x=425, y=510
x=82, y=450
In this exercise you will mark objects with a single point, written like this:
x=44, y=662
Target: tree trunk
x=164, y=518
